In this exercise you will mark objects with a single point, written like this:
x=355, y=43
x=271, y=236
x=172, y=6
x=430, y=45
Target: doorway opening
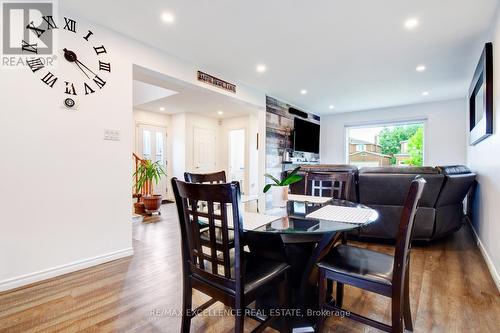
x=189, y=128
x=237, y=156
x=151, y=142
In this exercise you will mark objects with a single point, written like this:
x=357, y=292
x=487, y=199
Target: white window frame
x=393, y=122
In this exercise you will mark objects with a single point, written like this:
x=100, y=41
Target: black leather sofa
x=441, y=209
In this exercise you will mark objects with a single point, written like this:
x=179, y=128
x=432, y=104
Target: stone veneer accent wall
x=279, y=130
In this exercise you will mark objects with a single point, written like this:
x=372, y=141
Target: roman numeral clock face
x=83, y=65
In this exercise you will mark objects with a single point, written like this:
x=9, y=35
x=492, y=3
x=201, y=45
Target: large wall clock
x=82, y=61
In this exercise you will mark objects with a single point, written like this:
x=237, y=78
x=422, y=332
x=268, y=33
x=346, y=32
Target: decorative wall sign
x=84, y=54
x=481, y=98
x=212, y=80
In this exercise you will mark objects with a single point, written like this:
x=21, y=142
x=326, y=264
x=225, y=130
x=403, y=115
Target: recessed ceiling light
x=162, y=109
x=420, y=68
x=331, y=107
x=168, y=17
x=303, y=91
x=261, y=68
x=425, y=93
x=220, y=113
x=411, y=23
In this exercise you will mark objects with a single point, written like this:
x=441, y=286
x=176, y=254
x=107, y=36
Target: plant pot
x=280, y=196
x=152, y=203
x=139, y=208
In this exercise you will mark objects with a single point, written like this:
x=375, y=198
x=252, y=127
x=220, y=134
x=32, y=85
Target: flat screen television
x=306, y=136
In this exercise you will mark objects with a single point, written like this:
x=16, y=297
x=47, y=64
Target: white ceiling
x=354, y=54
x=187, y=97
x=145, y=92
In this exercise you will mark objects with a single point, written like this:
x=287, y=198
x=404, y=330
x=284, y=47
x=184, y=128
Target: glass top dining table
x=292, y=219
x=303, y=243
x=287, y=233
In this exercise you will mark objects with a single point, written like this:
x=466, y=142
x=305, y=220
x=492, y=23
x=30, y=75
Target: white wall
x=250, y=125
x=253, y=155
x=483, y=159
x=151, y=118
x=178, y=140
x=445, y=130
x=66, y=194
x=75, y=186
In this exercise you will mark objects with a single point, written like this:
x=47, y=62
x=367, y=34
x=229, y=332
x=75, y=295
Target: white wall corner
x=46, y=274
x=491, y=267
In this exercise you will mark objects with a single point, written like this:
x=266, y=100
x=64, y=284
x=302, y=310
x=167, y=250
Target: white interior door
x=203, y=149
x=237, y=157
x=151, y=145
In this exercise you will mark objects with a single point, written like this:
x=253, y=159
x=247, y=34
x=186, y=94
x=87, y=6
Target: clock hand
x=70, y=56
x=76, y=63
x=79, y=62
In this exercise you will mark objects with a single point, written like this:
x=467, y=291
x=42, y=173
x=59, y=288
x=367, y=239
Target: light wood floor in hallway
x=451, y=291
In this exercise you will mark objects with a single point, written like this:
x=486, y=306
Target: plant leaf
x=147, y=172
x=267, y=187
x=294, y=171
x=272, y=178
x=284, y=181
x=292, y=179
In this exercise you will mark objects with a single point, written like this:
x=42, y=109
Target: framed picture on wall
x=481, y=98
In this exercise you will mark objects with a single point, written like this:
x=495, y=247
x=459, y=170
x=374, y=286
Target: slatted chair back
x=209, y=178
x=221, y=210
x=335, y=184
x=403, y=241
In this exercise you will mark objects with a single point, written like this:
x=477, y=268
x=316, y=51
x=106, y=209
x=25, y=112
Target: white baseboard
x=24, y=280
x=487, y=259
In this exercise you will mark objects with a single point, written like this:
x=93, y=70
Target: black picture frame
x=481, y=98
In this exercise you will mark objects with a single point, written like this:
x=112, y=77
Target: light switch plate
x=111, y=135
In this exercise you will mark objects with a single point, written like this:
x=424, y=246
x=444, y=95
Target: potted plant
x=146, y=173
x=280, y=187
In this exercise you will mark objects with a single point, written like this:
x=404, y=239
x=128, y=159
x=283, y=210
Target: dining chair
x=210, y=178
x=374, y=271
x=231, y=276
x=336, y=184
x=218, y=177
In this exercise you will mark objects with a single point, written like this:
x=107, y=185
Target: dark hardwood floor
x=451, y=291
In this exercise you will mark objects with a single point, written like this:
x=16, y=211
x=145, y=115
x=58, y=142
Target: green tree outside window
x=416, y=147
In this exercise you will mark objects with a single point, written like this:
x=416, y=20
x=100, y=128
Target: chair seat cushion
x=360, y=263
x=205, y=236
x=259, y=271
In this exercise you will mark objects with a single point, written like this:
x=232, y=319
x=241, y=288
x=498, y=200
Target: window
x=151, y=144
x=159, y=146
x=146, y=144
x=390, y=144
